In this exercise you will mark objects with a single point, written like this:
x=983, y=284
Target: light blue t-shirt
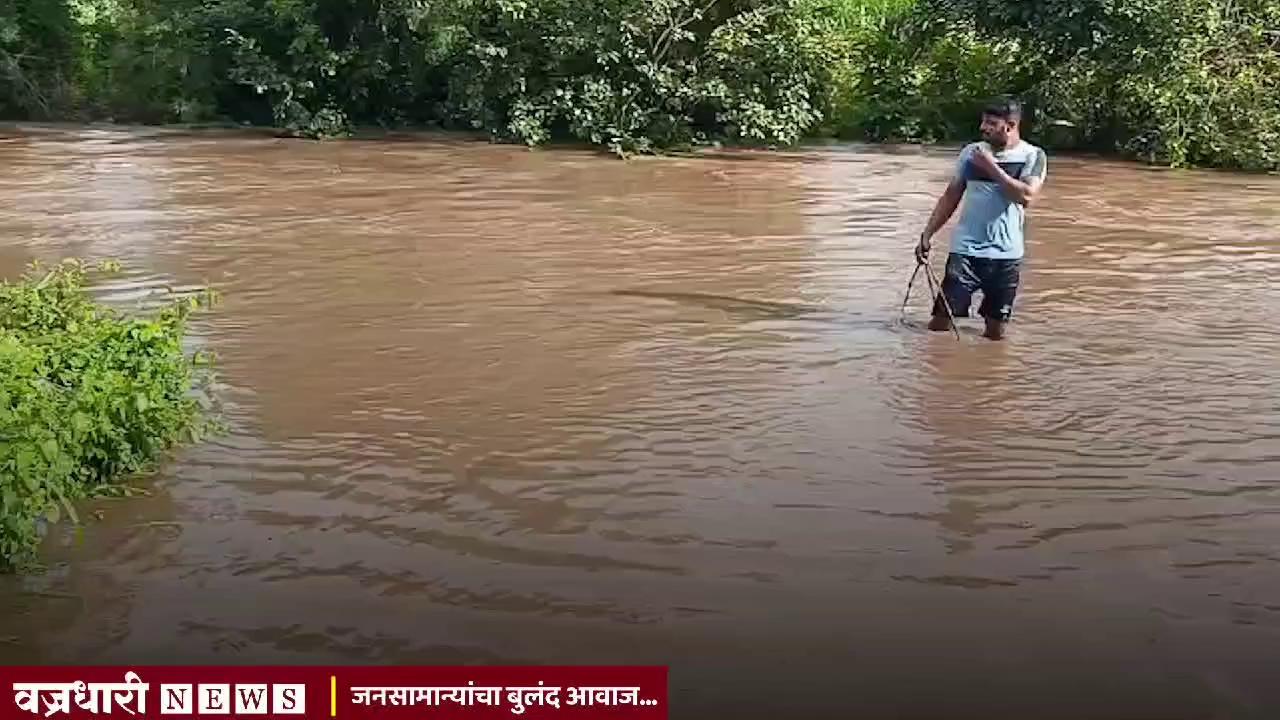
x=991, y=224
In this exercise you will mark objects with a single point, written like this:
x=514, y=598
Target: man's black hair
x=1005, y=108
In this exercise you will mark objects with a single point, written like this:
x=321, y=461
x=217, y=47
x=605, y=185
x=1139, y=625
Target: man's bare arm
x=1023, y=193
x=943, y=209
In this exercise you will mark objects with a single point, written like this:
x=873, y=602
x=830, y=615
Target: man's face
x=995, y=130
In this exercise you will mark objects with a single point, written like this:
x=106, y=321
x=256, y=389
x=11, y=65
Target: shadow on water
x=846, y=318
x=728, y=303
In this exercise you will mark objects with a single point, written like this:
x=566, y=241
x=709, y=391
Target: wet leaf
x=81, y=423
x=26, y=469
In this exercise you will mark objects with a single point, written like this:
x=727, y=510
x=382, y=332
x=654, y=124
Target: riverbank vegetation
x=1178, y=82
x=88, y=396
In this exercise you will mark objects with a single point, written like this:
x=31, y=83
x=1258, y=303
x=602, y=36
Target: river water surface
x=488, y=405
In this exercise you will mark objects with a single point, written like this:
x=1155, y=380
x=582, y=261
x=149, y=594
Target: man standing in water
x=1002, y=176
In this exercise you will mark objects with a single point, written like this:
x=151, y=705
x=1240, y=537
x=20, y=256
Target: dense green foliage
x=87, y=396
x=1170, y=81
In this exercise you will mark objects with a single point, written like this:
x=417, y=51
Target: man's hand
x=1023, y=193
x=923, y=248
x=985, y=161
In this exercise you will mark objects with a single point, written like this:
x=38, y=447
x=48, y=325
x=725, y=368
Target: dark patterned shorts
x=997, y=279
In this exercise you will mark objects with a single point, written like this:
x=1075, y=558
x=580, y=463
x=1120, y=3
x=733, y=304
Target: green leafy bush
x=1174, y=82
x=916, y=88
x=87, y=396
x=38, y=40
x=1183, y=83
x=1177, y=82
x=630, y=75
x=769, y=70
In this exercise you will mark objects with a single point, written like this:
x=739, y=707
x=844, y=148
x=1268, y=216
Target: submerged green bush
x=87, y=397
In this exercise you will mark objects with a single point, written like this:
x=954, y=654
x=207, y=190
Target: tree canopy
x=1179, y=82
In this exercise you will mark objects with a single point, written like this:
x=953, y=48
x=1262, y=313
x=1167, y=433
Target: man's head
x=1001, y=121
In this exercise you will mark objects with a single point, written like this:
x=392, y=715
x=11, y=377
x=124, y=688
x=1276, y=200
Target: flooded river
x=488, y=405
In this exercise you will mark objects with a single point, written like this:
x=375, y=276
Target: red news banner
x=354, y=693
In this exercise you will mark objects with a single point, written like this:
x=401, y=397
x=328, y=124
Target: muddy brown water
x=488, y=405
